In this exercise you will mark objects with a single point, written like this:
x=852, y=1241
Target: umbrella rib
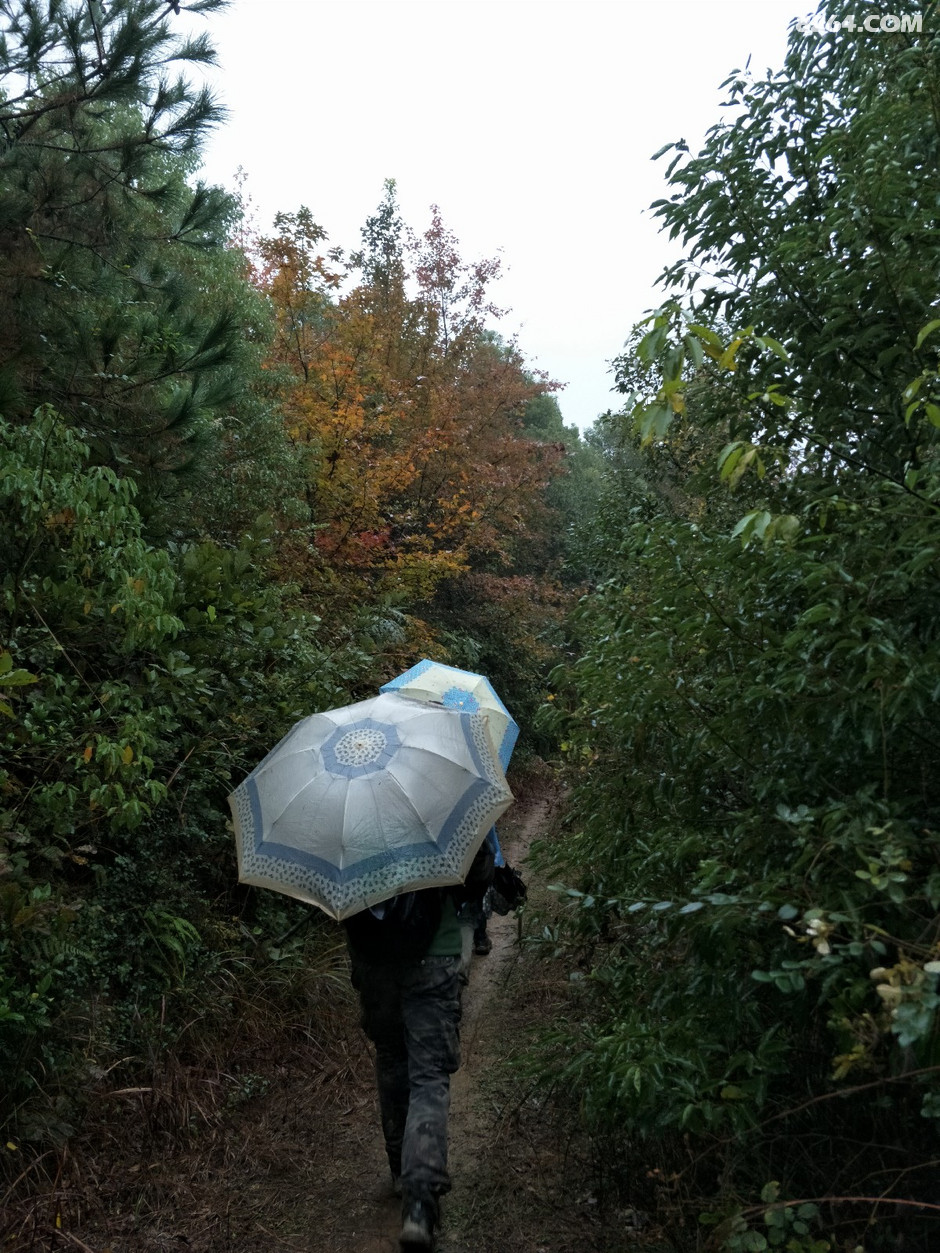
x=346, y=799
x=410, y=803
x=303, y=787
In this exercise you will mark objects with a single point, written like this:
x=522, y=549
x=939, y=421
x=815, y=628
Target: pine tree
x=107, y=311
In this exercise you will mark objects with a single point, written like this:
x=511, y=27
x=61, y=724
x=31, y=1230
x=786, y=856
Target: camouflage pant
x=411, y=1013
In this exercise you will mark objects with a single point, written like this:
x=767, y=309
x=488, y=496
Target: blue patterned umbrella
x=462, y=689
x=358, y=804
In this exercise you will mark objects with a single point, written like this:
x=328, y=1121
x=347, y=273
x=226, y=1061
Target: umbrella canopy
x=463, y=690
x=358, y=804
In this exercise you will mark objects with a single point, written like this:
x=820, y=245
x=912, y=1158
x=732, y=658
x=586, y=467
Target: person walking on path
x=407, y=967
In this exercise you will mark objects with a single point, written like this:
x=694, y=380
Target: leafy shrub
x=147, y=664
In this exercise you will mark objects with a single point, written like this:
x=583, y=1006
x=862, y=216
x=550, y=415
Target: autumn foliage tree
x=408, y=407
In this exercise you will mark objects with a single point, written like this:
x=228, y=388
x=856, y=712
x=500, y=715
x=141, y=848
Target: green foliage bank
x=755, y=851
x=142, y=610
x=165, y=613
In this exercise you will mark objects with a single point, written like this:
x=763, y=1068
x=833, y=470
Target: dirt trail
x=471, y=1128
x=293, y=1162
x=372, y=1224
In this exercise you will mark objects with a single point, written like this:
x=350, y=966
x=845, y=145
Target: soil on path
x=296, y=1163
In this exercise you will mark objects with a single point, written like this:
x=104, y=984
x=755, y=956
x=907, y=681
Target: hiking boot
x=417, y=1226
x=482, y=944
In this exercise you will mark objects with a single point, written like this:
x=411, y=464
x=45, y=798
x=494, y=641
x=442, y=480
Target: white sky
x=530, y=122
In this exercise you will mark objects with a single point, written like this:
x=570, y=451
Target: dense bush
x=149, y=680
x=754, y=852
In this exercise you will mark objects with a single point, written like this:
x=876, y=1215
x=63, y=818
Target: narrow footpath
x=296, y=1164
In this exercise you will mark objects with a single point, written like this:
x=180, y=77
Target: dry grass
x=171, y=1156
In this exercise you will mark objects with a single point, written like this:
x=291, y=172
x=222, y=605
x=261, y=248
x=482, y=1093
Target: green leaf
x=13, y=678
x=655, y=421
x=752, y=525
x=775, y=347
x=730, y=1092
x=822, y=612
x=726, y=360
x=18, y=678
x=925, y=331
x=729, y=457
x=708, y=335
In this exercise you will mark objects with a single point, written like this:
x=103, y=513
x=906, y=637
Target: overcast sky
x=530, y=122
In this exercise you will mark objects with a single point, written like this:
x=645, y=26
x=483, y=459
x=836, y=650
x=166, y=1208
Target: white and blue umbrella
x=432, y=681
x=358, y=804
x=463, y=690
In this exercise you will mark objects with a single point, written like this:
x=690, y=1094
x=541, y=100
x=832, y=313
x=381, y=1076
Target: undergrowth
x=99, y=1146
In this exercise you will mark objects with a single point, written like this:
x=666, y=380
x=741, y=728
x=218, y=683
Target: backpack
x=403, y=929
x=508, y=891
